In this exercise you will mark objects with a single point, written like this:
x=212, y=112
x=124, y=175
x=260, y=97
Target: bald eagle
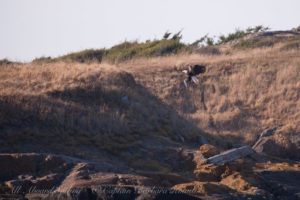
x=191, y=73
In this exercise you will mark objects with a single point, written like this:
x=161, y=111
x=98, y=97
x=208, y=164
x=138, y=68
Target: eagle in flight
x=191, y=73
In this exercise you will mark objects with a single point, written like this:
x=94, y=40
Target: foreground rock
x=23, y=173
x=165, y=179
x=208, y=150
x=42, y=176
x=236, y=174
x=275, y=144
x=122, y=192
x=187, y=160
x=246, y=179
x=205, y=188
x=18, y=164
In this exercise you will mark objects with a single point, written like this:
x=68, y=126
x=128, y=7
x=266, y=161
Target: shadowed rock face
x=252, y=176
x=13, y=165
x=34, y=175
x=272, y=143
x=123, y=192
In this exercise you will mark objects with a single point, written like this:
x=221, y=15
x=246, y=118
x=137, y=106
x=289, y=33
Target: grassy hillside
x=140, y=103
x=86, y=111
x=242, y=93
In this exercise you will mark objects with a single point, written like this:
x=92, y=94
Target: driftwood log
x=230, y=155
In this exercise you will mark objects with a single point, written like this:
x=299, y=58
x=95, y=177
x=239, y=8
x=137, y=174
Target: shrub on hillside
x=5, y=62
x=204, y=41
x=85, y=56
x=210, y=41
x=240, y=34
x=43, y=60
x=128, y=50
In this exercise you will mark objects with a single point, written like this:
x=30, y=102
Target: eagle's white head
x=185, y=71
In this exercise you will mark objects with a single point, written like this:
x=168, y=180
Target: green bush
x=232, y=36
x=240, y=34
x=204, y=41
x=207, y=41
x=5, y=62
x=85, y=56
x=128, y=50
x=44, y=60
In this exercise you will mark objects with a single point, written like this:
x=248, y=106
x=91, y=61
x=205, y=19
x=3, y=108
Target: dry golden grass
x=64, y=106
x=78, y=108
x=36, y=78
x=241, y=94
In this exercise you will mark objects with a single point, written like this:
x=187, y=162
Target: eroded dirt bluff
x=199, y=174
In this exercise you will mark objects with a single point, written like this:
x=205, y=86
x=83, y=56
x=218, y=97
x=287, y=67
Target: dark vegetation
x=241, y=33
x=128, y=50
x=222, y=39
x=171, y=44
x=5, y=62
x=168, y=45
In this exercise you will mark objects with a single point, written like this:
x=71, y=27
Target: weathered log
x=230, y=155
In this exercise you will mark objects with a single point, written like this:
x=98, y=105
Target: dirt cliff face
x=251, y=175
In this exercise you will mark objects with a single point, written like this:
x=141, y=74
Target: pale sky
x=35, y=28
